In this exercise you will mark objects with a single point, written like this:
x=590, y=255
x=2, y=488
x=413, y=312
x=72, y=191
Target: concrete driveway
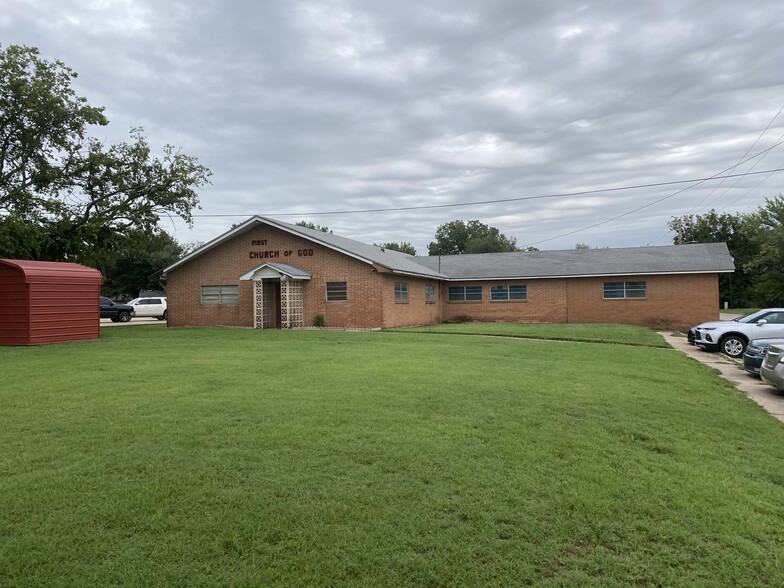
x=732, y=370
x=135, y=321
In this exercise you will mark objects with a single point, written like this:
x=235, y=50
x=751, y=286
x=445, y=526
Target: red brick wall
x=679, y=300
x=224, y=264
x=674, y=300
x=546, y=303
x=414, y=312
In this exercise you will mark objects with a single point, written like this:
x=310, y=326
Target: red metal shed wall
x=64, y=311
x=14, y=307
x=48, y=302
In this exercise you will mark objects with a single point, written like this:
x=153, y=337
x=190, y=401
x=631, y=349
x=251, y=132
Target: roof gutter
x=602, y=275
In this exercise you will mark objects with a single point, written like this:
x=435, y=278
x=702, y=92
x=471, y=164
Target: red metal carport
x=48, y=302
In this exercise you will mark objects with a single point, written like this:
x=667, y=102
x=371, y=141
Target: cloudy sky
x=523, y=106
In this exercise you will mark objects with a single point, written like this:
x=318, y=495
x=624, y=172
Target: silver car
x=772, y=368
x=731, y=337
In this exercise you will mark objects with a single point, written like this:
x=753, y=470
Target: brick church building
x=265, y=273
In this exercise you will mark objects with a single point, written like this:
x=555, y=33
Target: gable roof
x=281, y=268
x=667, y=259
x=383, y=259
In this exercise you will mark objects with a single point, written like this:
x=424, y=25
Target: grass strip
x=582, y=333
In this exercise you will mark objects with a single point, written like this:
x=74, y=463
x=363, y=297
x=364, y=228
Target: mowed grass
x=227, y=457
x=598, y=333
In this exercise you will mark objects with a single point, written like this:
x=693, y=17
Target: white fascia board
x=241, y=228
x=271, y=222
x=346, y=252
x=245, y=226
x=280, y=272
x=439, y=278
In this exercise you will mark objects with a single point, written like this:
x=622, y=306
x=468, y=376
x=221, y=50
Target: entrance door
x=278, y=303
x=271, y=304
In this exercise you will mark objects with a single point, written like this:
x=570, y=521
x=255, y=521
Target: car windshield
x=750, y=318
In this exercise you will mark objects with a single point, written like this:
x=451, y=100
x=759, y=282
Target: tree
x=42, y=124
x=191, y=246
x=315, y=227
x=582, y=246
x=766, y=268
x=22, y=239
x=737, y=231
x=64, y=195
x=458, y=237
x=402, y=247
x=133, y=262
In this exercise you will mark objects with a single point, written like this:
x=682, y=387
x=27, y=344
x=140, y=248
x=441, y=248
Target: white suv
x=153, y=306
x=731, y=337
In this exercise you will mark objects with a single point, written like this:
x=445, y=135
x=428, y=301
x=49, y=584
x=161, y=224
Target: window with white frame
x=337, y=292
x=465, y=294
x=401, y=291
x=622, y=290
x=225, y=294
x=511, y=292
x=430, y=294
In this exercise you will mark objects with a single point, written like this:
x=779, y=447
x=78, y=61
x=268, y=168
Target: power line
x=754, y=187
x=742, y=160
x=695, y=181
x=604, y=222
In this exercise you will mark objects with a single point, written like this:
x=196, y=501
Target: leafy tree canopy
x=42, y=126
x=402, y=247
x=753, y=239
x=315, y=227
x=767, y=266
x=712, y=227
x=65, y=195
x=458, y=237
x=134, y=262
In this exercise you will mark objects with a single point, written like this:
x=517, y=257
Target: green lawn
x=598, y=333
x=229, y=457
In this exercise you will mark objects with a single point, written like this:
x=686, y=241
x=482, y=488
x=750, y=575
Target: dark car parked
x=119, y=313
x=755, y=354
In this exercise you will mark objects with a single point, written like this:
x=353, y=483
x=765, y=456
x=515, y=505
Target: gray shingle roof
x=290, y=270
x=281, y=268
x=671, y=259
x=394, y=260
x=397, y=262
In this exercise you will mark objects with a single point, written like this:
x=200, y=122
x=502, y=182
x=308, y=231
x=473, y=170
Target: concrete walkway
x=135, y=321
x=732, y=370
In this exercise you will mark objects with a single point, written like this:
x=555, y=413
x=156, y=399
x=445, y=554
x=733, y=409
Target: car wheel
x=124, y=317
x=733, y=346
x=166, y=314
x=114, y=319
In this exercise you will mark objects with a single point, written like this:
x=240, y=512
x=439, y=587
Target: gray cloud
x=308, y=107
